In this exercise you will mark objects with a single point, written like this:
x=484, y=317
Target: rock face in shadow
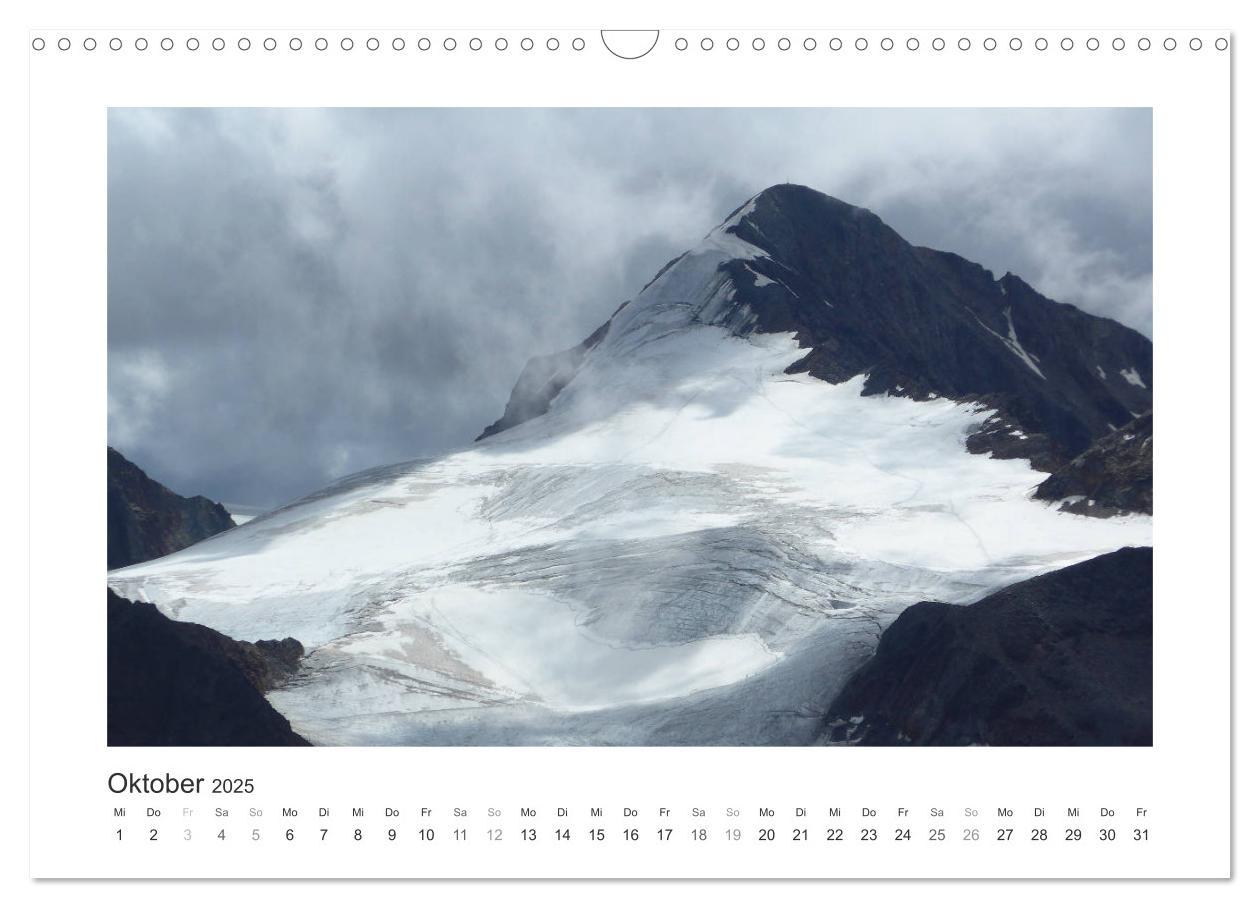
x=1061, y=659
x=147, y=520
x=1114, y=476
x=172, y=683
x=918, y=322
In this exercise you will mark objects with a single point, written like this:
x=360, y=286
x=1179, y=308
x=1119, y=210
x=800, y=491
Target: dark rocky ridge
x=146, y=520
x=918, y=322
x=178, y=684
x=1113, y=476
x=1061, y=659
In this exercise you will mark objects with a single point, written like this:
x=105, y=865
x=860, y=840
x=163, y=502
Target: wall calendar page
x=712, y=451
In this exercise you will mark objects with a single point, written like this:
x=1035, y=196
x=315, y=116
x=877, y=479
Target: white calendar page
x=579, y=780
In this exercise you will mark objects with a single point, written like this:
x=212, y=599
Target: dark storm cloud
x=294, y=295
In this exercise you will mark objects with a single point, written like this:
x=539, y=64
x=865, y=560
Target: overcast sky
x=299, y=294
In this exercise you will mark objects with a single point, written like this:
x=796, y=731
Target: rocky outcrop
x=173, y=683
x=1113, y=476
x=1061, y=659
x=148, y=520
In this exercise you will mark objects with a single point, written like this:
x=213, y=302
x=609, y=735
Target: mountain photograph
x=610, y=435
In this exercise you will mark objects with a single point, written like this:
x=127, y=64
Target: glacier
x=691, y=546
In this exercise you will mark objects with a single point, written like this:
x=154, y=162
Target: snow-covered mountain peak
x=861, y=301
x=721, y=279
